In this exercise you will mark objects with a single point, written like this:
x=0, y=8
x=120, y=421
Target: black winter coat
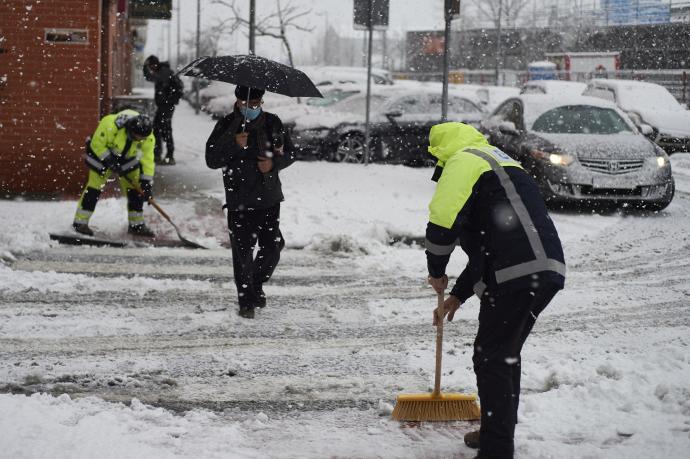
x=245, y=186
x=491, y=244
x=164, y=89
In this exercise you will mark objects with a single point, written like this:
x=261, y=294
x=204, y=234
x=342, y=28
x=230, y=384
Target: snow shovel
x=155, y=205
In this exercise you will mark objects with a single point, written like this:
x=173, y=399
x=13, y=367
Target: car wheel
x=349, y=149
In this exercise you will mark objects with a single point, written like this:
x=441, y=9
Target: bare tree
x=504, y=11
x=275, y=24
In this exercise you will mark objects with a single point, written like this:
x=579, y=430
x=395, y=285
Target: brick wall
x=53, y=96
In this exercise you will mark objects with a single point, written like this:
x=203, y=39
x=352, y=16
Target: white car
x=648, y=105
x=566, y=88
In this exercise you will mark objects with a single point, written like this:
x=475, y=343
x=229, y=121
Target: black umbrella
x=254, y=72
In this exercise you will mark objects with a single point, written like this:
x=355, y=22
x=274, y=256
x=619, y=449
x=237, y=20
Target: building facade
x=61, y=64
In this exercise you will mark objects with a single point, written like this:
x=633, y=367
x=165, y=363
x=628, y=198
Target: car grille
x=613, y=166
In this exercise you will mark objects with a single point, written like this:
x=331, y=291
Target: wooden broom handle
x=439, y=343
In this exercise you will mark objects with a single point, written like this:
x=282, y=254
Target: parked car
x=488, y=95
x=569, y=88
x=582, y=149
x=648, y=104
x=329, y=75
x=400, y=119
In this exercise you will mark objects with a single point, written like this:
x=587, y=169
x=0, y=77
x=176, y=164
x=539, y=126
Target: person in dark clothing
x=251, y=147
x=167, y=95
x=486, y=202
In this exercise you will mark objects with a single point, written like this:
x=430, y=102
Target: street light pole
x=179, y=13
x=198, y=51
x=446, y=39
x=370, y=31
x=252, y=26
x=498, y=39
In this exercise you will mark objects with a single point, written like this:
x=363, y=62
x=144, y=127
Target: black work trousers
x=162, y=130
x=505, y=321
x=246, y=229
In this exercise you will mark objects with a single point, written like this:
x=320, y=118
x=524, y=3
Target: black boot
x=141, y=230
x=82, y=228
x=169, y=160
x=472, y=439
x=246, y=312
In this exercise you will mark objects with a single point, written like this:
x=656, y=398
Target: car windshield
x=329, y=98
x=358, y=104
x=581, y=119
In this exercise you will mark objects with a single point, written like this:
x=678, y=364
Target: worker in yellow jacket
x=123, y=143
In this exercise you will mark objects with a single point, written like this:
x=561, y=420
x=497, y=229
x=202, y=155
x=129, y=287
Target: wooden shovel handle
x=439, y=342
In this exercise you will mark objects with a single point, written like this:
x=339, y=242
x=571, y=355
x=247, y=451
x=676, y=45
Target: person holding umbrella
x=251, y=146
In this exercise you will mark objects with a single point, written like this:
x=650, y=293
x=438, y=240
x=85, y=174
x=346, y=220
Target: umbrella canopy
x=254, y=72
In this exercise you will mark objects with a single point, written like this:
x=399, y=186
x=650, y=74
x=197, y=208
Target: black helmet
x=139, y=126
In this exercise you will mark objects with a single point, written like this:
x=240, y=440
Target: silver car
x=583, y=150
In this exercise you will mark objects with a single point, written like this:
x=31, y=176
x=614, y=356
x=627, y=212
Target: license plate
x=611, y=182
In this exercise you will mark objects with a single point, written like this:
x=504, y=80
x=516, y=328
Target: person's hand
x=450, y=305
x=147, y=188
x=439, y=284
x=265, y=164
x=241, y=139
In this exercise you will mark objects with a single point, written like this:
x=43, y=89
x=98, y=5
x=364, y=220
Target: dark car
x=582, y=150
x=400, y=119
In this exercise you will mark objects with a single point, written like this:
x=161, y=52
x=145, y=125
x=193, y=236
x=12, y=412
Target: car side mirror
x=646, y=129
x=508, y=128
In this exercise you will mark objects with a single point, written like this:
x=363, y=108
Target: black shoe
x=247, y=313
x=141, y=230
x=170, y=161
x=82, y=228
x=159, y=160
x=260, y=298
x=472, y=439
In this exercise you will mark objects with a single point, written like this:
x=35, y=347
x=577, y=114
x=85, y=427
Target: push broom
x=437, y=406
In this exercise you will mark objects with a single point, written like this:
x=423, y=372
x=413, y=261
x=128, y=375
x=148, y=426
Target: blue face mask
x=250, y=113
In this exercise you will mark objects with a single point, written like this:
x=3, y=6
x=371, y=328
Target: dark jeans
x=505, y=321
x=162, y=130
x=246, y=229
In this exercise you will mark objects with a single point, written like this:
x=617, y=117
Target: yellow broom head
x=436, y=407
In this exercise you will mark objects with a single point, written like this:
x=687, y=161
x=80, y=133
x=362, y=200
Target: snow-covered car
x=648, y=104
x=400, y=119
x=569, y=88
x=330, y=75
x=582, y=150
x=488, y=95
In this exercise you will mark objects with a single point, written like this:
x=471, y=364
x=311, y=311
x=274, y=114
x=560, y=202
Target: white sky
x=404, y=15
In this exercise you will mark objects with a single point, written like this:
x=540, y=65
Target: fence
x=675, y=81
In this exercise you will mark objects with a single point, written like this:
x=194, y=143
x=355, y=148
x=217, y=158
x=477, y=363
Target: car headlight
x=661, y=156
x=557, y=159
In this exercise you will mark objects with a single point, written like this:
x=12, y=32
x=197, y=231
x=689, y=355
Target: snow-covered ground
x=151, y=361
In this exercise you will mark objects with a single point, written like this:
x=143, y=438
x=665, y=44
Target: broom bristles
x=436, y=407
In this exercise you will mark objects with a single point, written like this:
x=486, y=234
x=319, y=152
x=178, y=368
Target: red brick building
x=61, y=63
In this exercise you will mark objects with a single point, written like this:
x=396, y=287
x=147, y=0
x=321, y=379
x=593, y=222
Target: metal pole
x=198, y=51
x=446, y=40
x=179, y=13
x=368, y=104
x=498, y=39
x=252, y=26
